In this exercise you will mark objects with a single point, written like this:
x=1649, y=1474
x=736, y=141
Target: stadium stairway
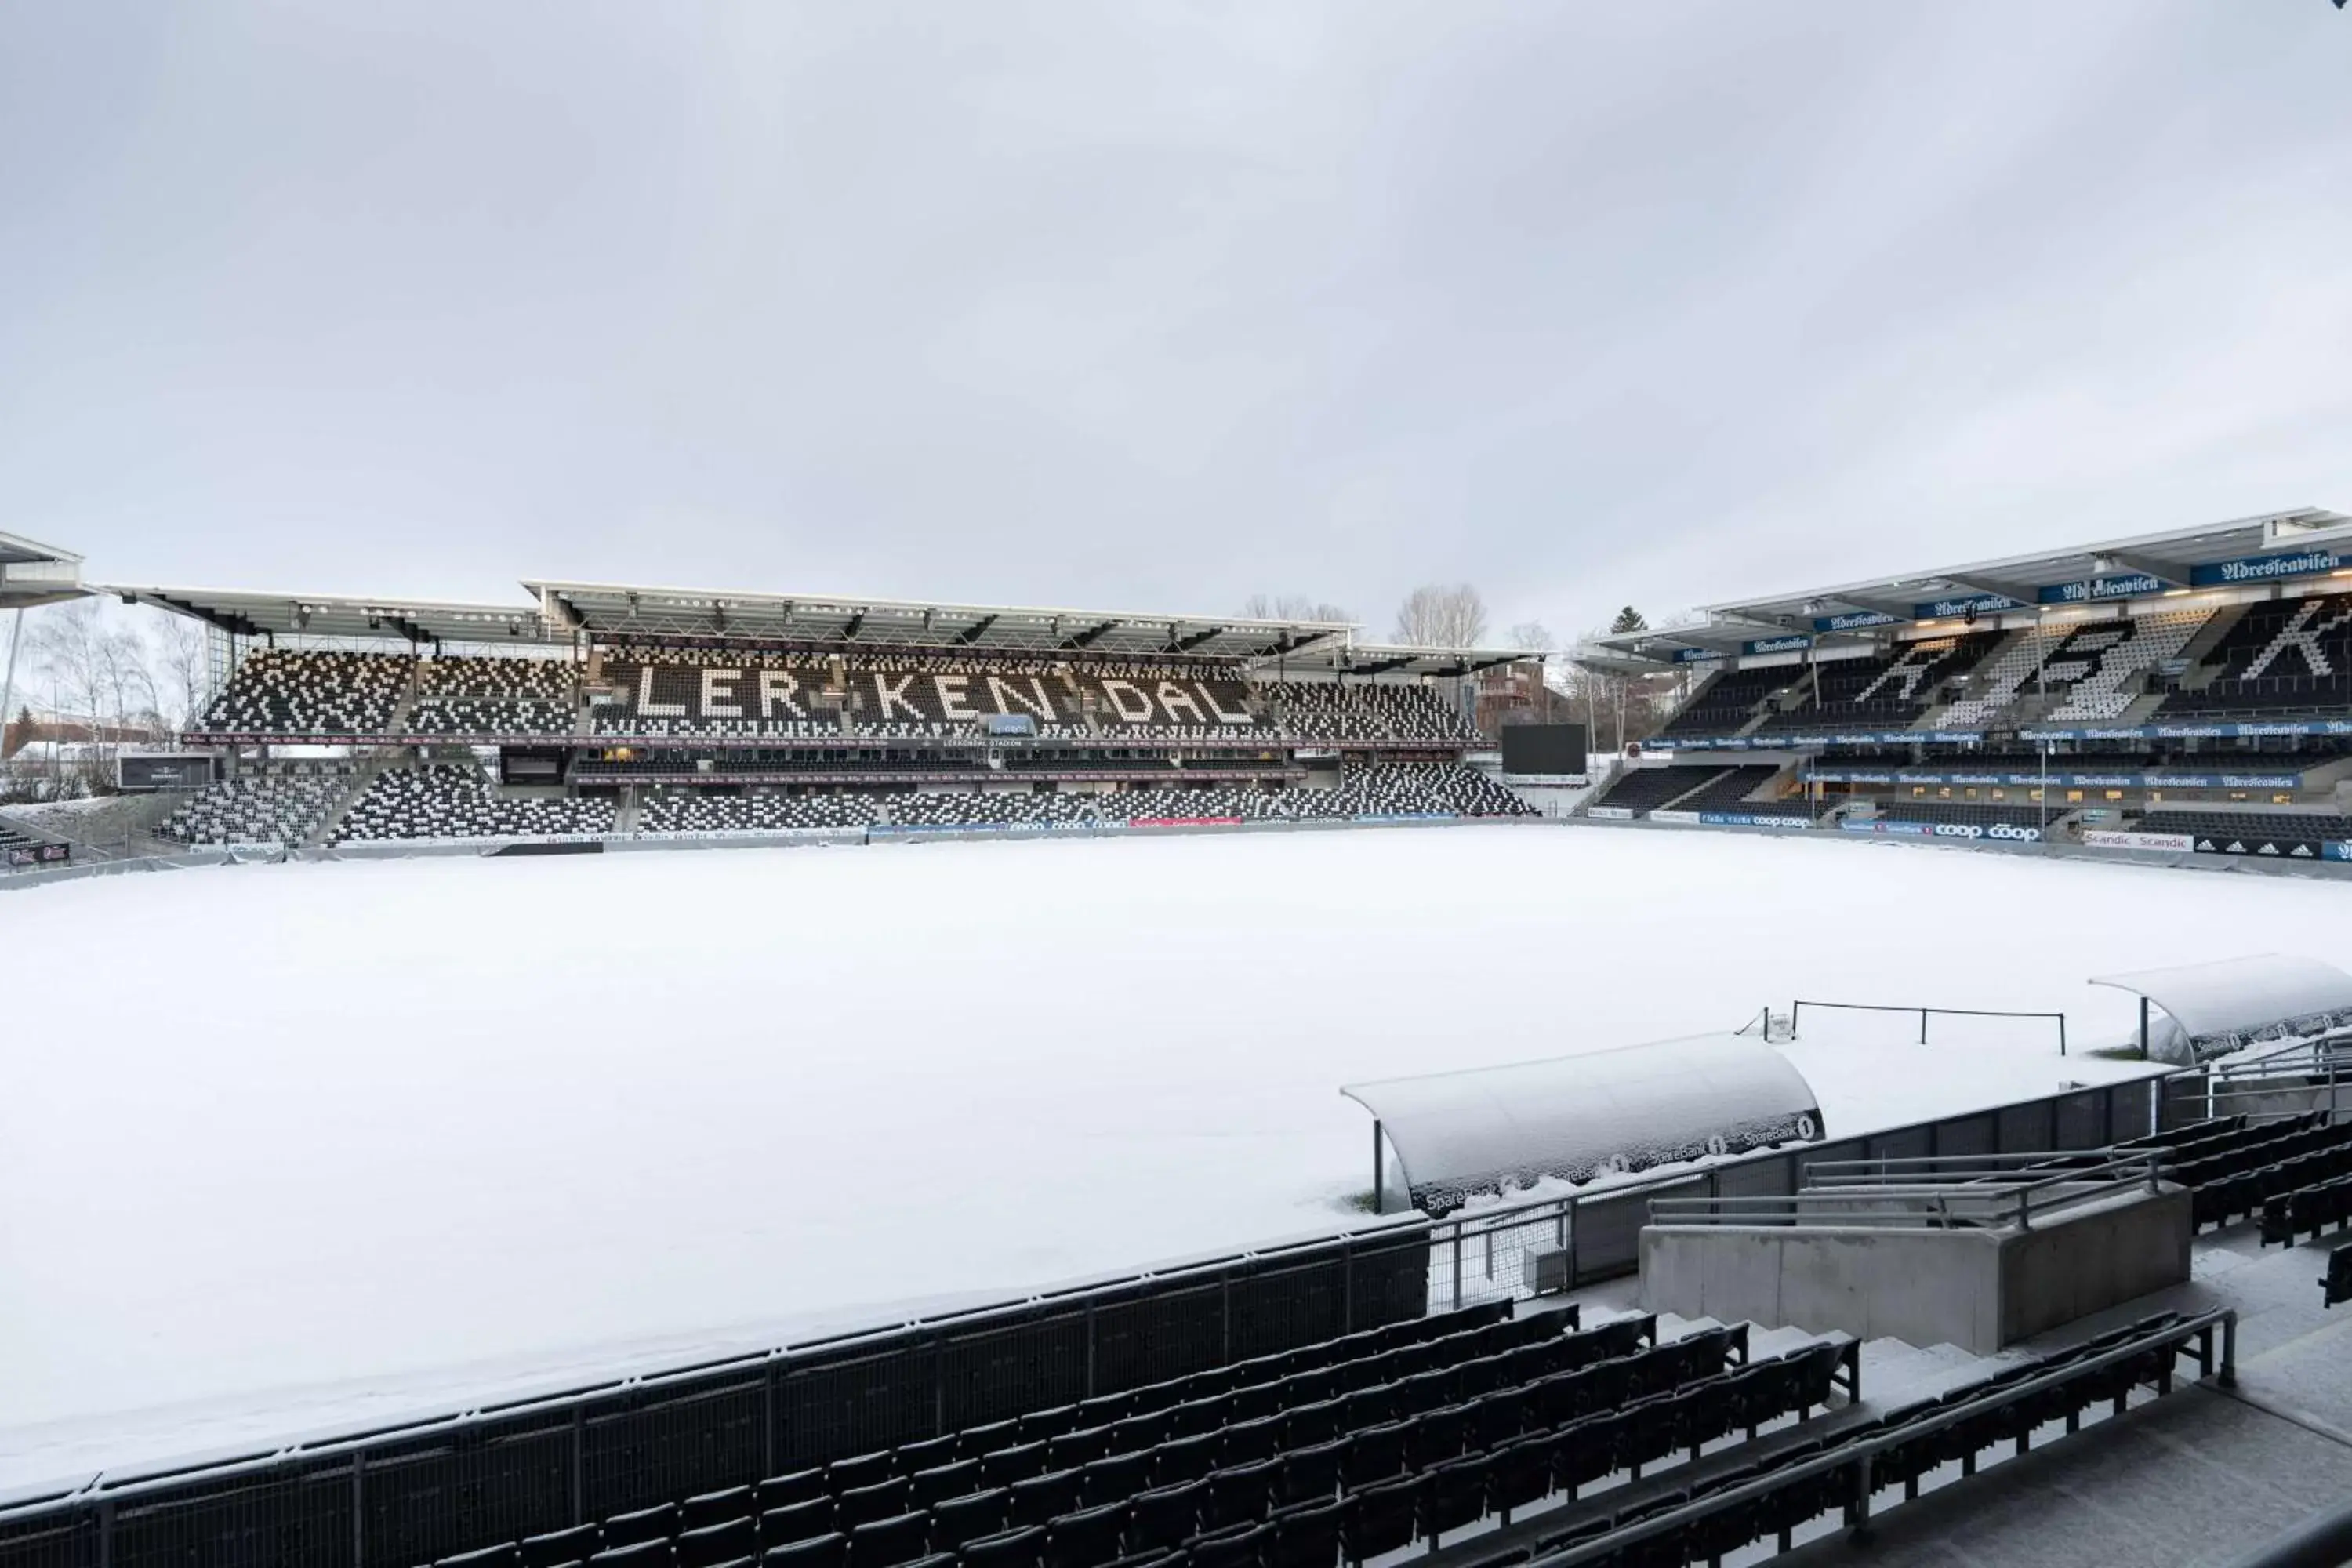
x=363, y=775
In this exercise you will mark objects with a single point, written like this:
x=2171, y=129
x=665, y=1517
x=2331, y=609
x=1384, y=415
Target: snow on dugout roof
x=2231, y=1003
x=2150, y=565
x=1483, y=1129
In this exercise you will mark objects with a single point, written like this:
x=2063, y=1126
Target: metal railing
x=1861, y=1199
x=1593, y=1234
x=1797, y=1015
x=1857, y=1455
x=611, y=1445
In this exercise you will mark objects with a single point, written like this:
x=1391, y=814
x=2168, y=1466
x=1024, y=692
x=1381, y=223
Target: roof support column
x=8, y=682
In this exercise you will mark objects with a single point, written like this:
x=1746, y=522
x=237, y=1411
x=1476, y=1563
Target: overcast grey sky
x=1153, y=306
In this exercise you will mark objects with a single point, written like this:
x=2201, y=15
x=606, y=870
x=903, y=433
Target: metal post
x=1378, y=1197
x=8, y=682
x=1923, y=1026
x=1458, y=1242
x=2143, y=1028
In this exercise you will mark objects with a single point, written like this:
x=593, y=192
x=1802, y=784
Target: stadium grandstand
x=1568, y=1353
x=598, y=710
x=2185, y=691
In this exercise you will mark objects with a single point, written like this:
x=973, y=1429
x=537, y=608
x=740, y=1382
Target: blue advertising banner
x=1853, y=621
x=1696, y=655
x=1795, y=642
x=1751, y=819
x=1980, y=605
x=2267, y=568
x=2059, y=778
x=2130, y=585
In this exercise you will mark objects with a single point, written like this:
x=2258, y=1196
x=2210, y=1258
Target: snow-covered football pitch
x=288, y=1147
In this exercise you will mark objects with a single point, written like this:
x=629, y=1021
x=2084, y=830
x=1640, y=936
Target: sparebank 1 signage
x=1980, y=605
x=1796, y=642
x=2267, y=568
x=2093, y=589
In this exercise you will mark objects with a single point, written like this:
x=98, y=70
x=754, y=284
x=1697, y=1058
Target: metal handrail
x=2085, y=1184
x=1861, y=1453
x=1797, y=1009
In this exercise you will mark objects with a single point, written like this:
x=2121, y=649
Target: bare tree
x=1292, y=608
x=1533, y=635
x=181, y=656
x=1435, y=615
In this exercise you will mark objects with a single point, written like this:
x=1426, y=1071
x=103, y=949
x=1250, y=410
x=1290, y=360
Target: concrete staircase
x=361, y=777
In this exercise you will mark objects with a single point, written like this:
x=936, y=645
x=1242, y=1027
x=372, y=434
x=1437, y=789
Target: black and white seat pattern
x=468, y=696
x=280, y=808
x=287, y=692
x=445, y=800
x=1326, y=711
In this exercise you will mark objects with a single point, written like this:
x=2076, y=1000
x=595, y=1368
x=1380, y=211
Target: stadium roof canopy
x=253, y=613
x=1386, y=658
x=34, y=574
x=819, y=621
x=842, y=621
x=2273, y=547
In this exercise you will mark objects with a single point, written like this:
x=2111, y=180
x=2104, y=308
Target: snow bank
x=285, y=1144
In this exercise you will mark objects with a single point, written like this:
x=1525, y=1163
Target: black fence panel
x=1388, y=1280
x=70, y=1541
x=857, y=1404
x=1965, y=1135
x=1000, y=1371
x=430, y=1497
x=656, y=1446
x=296, y=1521
x=2083, y=1120
x=1275, y=1306
x=2028, y=1129
x=1903, y=1143
x=1152, y=1337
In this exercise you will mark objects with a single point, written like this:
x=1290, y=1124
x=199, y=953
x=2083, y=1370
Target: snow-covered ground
x=286, y=1146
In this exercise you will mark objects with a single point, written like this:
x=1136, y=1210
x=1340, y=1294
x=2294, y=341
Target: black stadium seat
x=827, y=1551
x=885, y=1543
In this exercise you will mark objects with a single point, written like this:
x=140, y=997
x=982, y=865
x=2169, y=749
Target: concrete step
x=1895, y=1371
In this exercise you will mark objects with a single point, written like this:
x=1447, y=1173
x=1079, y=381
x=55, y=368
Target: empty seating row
x=2336, y=1285
x=1324, y=711
x=1968, y=813
x=2285, y=1216
x=1726, y=702
x=310, y=692
x=2284, y=655
x=1233, y=1500
x=1770, y=1500
x=1883, y=691
x=1729, y=791
x=1644, y=789
x=444, y=800
x=280, y=807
